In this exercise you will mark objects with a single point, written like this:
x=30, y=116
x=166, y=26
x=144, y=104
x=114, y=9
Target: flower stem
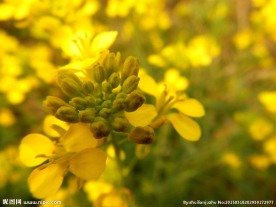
x=117, y=156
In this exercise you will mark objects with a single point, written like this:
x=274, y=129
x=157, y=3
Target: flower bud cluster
x=108, y=90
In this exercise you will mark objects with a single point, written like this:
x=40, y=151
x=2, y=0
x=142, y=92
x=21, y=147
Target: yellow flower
x=201, y=50
x=270, y=148
x=104, y=194
x=232, y=160
x=113, y=199
x=76, y=152
x=85, y=52
x=268, y=99
x=7, y=118
x=261, y=162
x=260, y=128
x=15, y=9
x=165, y=101
x=243, y=39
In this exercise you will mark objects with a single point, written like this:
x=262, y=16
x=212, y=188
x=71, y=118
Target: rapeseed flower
x=104, y=194
x=7, y=118
x=85, y=51
x=76, y=152
x=200, y=51
x=166, y=101
x=268, y=99
x=270, y=148
x=232, y=159
x=260, y=162
x=260, y=129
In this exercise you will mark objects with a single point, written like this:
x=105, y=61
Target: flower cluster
x=100, y=101
x=102, y=97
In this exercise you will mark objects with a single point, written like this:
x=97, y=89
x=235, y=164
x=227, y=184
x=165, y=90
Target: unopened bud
x=130, y=84
x=62, y=74
x=79, y=103
x=114, y=80
x=121, y=95
x=105, y=112
x=90, y=101
x=107, y=104
x=107, y=87
x=68, y=114
x=134, y=101
x=117, y=60
x=109, y=64
x=88, y=87
x=87, y=115
x=98, y=89
x=100, y=129
x=118, y=104
x=120, y=124
x=52, y=104
x=98, y=74
x=142, y=135
x=130, y=67
x=70, y=88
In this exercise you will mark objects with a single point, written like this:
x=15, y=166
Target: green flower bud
x=121, y=95
x=107, y=104
x=142, y=135
x=98, y=74
x=78, y=103
x=88, y=87
x=118, y=104
x=105, y=112
x=111, y=96
x=90, y=101
x=107, y=87
x=98, y=90
x=134, y=101
x=130, y=84
x=130, y=67
x=88, y=115
x=98, y=101
x=114, y=80
x=68, y=114
x=120, y=124
x=109, y=64
x=52, y=104
x=100, y=129
x=64, y=74
x=117, y=60
x=70, y=88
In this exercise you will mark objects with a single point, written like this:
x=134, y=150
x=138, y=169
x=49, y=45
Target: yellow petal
x=88, y=164
x=103, y=41
x=48, y=123
x=6, y=11
x=190, y=107
x=186, y=127
x=148, y=85
x=33, y=145
x=268, y=99
x=46, y=182
x=142, y=116
x=81, y=64
x=78, y=138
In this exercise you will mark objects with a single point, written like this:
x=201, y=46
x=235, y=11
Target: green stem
x=117, y=157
